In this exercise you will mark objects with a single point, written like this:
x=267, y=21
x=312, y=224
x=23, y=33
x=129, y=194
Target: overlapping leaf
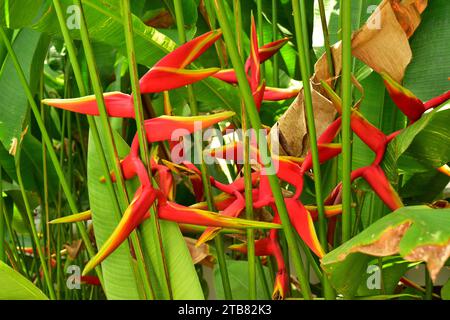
x=416, y=233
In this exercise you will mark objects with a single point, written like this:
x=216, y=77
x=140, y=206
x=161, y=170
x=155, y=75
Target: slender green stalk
x=34, y=234
x=346, y=113
x=98, y=91
x=211, y=20
x=275, y=70
x=382, y=285
x=239, y=32
x=15, y=245
x=45, y=205
x=2, y=221
x=96, y=138
x=134, y=77
x=428, y=285
x=262, y=276
x=83, y=155
x=309, y=255
x=60, y=236
x=303, y=58
x=143, y=143
x=262, y=143
x=247, y=167
x=123, y=198
x=326, y=38
x=259, y=17
x=218, y=240
x=49, y=145
x=301, y=10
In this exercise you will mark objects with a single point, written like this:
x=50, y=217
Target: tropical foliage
x=226, y=149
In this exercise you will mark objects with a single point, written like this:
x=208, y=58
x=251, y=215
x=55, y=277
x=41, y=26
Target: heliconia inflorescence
x=170, y=73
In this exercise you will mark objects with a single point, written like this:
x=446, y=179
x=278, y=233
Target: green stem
x=309, y=255
x=98, y=91
x=276, y=76
x=211, y=20
x=97, y=142
x=301, y=10
x=143, y=143
x=326, y=38
x=34, y=234
x=2, y=221
x=45, y=212
x=380, y=266
x=262, y=276
x=218, y=240
x=247, y=168
x=428, y=285
x=49, y=145
x=259, y=17
x=239, y=32
x=255, y=121
x=303, y=58
x=15, y=244
x=110, y=145
x=346, y=113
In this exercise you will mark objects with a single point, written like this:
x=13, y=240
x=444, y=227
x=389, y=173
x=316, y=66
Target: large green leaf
x=184, y=280
x=19, y=13
x=392, y=269
x=427, y=74
x=422, y=146
x=120, y=282
x=445, y=291
x=117, y=269
x=17, y=287
x=30, y=47
x=419, y=150
x=238, y=273
x=423, y=187
x=416, y=233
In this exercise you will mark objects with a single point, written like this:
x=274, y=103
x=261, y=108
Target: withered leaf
x=382, y=43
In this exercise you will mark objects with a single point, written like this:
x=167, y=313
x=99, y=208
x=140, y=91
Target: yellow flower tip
x=82, y=216
x=225, y=114
x=92, y=264
x=445, y=169
x=278, y=290
x=237, y=247
x=88, y=268
x=207, y=235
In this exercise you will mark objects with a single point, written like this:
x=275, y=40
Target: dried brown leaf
x=198, y=253
x=382, y=43
x=162, y=20
x=387, y=245
x=435, y=257
x=74, y=248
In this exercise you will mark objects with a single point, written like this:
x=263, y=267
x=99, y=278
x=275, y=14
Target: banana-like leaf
x=420, y=147
x=238, y=273
x=445, y=291
x=120, y=282
x=18, y=14
x=30, y=47
x=184, y=280
x=416, y=233
x=425, y=76
x=17, y=287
